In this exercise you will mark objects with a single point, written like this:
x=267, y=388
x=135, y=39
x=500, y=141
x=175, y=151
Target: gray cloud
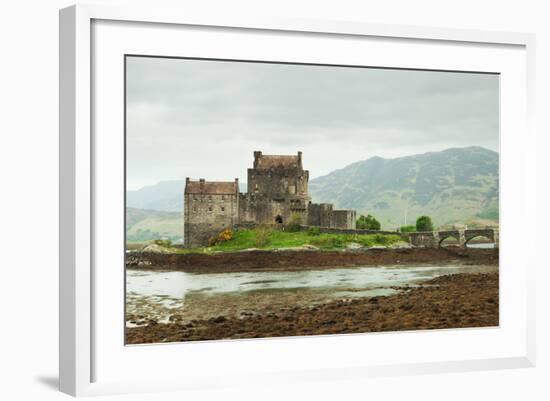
x=204, y=118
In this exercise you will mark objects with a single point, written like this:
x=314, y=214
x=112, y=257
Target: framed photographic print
x=284, y=200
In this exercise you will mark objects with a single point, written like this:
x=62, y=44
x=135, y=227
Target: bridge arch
x=443, y=241
x=456, y=234
x=489, y=239
x=490, y=234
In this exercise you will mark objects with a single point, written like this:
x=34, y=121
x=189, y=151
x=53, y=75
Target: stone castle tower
x=277, y=190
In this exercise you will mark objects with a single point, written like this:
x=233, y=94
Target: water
x=366, y=281
x=482, y=245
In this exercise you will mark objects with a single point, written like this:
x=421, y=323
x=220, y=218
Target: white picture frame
x=79, y=213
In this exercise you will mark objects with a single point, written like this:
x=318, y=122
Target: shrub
x=224, y=236
x=367, y=223
x=262, y=236
x=381, y=239
x=330, y=241
x=163, y=242
x=294, y=223
x=424, y=223
x=407, y=229
x=313, y=231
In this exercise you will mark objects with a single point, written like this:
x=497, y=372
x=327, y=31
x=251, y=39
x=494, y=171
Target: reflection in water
x=178, y=284
x=482, y=245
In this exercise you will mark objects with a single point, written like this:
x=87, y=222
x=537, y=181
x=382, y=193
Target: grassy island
x=269, y=239
x=276, y=239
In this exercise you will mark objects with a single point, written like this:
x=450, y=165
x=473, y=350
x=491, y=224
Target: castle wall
x=343, y=219
x=278, y=176
x=206, y=215
x=319, y=214
x=324, y=215
x=261, y=209
x=335, y=230
x=278, y=181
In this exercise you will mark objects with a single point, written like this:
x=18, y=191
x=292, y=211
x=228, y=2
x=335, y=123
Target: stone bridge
x=433, y=239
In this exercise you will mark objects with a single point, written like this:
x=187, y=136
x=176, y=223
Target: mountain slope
x=165, y=195
x=453, y=185
x=144, y=225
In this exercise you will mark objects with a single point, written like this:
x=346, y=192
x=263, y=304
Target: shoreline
x=461, y=300
x=293, y=260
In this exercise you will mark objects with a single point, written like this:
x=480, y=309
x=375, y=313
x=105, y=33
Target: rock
x=354, y=245
x=401, y=245
x=154, y=248
x=219, y=319
x=305, y=247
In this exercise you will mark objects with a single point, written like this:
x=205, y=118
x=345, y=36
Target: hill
x=165, y=195
x=454, y=185
x=144, y=225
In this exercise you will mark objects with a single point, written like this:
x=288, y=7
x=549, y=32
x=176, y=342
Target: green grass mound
x=268, y=239
x=263, y=238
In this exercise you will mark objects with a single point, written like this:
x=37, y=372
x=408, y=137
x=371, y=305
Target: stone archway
x=481, y=241
x=279, y=219
x=449, y=240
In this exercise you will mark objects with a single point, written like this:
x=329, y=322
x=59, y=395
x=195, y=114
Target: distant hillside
x=165, y=196
x=143, y=225
x=454, y=185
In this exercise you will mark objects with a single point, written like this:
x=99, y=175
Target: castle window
x=209, y=197
x=209, y=208
x=223, y=197
x=223, y=209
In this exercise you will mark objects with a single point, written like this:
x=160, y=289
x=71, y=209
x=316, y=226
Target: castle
x=277, y=190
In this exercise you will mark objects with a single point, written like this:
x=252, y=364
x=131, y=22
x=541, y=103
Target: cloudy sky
x=203, y=119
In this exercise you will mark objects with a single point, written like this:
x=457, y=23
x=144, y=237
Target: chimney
x=237, y=185
x=186, y=184
x=300, y=158
x=257, y=155
x=201, y=183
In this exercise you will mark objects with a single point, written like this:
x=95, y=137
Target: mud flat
x=256, y=260
x=450, y=301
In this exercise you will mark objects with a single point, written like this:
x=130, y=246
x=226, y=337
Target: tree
x=367, y=223
x=424, y=223
x=407, y=229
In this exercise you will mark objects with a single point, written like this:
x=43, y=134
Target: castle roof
x=270, y=161
x=211, y=187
